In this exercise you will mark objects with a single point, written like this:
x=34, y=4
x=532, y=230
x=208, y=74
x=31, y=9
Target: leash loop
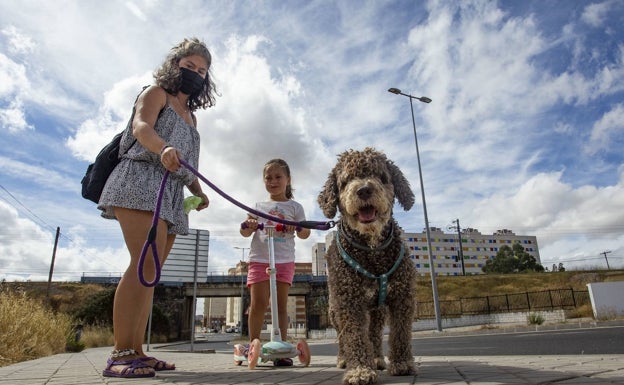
x=150, y=242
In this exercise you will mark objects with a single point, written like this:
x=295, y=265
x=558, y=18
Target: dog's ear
x=402, y=189
x=328, y=197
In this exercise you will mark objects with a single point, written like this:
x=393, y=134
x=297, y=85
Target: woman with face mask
x=162, y=131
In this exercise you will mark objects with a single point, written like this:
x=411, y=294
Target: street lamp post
x=434, y=285
x=242, y=305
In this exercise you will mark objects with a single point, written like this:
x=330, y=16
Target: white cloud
x=26, y=251
x=112, y=117
x=17, y=42
x=13, y=117
x=514, y=98
x=42, y=176
x=594, y=14
x=556, y=213
x=13, y=81
x=605, y=130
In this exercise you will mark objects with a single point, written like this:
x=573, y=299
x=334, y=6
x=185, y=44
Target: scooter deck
x=272, y=351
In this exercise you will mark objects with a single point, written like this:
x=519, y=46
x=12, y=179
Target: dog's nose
x=364, y=192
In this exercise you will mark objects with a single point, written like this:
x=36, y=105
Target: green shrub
x=97, y=309
x=535, y=319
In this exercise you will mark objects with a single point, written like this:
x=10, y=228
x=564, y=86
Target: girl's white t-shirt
x=283, y=243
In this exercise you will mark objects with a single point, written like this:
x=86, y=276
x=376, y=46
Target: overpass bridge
x=230, y=285
x=312, y=287
x=226, y=285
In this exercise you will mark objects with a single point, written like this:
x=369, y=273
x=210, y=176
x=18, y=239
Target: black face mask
x=191, y=82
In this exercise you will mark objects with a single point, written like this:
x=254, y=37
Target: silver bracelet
x=122, y=353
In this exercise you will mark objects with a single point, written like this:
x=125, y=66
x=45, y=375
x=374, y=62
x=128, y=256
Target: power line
x=42, y=223
x=579, y=260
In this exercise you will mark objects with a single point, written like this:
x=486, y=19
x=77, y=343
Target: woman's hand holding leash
x=170, y=158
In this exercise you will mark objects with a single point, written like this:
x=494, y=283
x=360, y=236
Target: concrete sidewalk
x=218, y=368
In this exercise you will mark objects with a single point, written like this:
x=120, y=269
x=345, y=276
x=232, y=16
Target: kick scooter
x=276, y=348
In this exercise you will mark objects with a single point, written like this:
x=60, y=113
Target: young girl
x=276, y=175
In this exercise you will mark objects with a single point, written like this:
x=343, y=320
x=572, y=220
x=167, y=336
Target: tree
x=512, y=260
x=561, y=268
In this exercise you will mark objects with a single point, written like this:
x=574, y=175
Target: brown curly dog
x=370, y=274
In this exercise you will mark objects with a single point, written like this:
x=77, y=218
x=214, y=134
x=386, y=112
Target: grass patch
x=455, y=287
x=94, y=336
x=583, y=311
x=29, y=329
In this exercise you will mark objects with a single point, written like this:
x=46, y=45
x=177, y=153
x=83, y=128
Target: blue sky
x=525, y=130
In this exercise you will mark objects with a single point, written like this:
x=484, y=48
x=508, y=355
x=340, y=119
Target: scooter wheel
x=254, y=353
x=304, y=352
x=238, y=363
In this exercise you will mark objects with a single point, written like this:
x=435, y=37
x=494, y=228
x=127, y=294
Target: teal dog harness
x=383, y=278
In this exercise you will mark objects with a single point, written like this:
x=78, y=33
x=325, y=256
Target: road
x=596, y=340
x=603, y=340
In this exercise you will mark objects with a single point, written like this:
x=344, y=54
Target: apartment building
x=476, y=249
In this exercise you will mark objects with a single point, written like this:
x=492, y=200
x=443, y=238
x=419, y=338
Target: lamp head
x=424, y=99
x=394, y=90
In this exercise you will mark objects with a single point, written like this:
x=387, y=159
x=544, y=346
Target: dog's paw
x=341, y=363
x=380, y=363
x=360, y=375
x=401, y=368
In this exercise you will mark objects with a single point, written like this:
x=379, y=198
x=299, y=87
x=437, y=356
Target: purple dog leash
x=313, y=225
x=151, y=237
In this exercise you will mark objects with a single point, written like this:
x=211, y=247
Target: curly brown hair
x=168, y=75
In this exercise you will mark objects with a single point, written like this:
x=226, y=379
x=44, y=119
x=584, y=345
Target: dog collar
x=364, y=247
x=383, y=278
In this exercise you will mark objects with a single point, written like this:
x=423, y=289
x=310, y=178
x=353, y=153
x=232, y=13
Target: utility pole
x=194, y=291
x=58, y=232
x=605, y=255
x=242, y=302
x=461, y=248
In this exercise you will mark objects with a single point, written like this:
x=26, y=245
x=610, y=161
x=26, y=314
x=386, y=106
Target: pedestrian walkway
x=217, y=368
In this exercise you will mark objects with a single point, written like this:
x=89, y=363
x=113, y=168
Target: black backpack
x=97, y=173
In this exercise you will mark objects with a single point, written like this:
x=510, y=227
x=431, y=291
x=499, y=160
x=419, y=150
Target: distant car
x=212, y=331
x=231, y=329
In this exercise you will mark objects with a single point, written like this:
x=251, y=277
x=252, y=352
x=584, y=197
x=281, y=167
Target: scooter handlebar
x=282, y=227
x=278, y=227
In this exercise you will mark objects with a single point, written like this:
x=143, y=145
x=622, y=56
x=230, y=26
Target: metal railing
x=505, y=303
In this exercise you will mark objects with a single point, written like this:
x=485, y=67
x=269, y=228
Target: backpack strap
x=129, y=125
